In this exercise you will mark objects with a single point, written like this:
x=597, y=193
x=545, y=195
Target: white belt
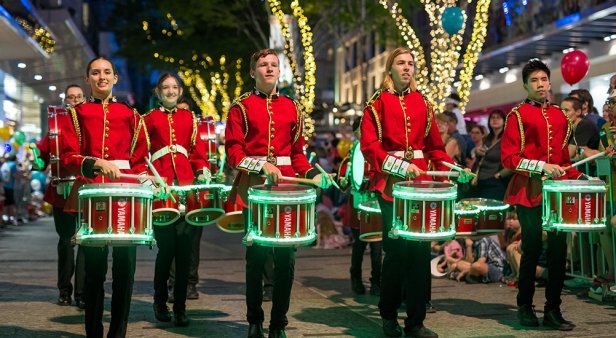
x=174, y=148
x=121, y=164
x=400, y=153
x=280, y=160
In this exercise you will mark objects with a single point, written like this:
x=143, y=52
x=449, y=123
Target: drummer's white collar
x=167, y=110
x=537, y=103
x=404, y=92
x=259, y=93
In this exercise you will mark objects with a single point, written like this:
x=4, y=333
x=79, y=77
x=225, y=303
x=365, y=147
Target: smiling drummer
x=264, y=136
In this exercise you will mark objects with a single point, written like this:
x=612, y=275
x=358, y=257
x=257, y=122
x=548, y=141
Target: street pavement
x=322, y=304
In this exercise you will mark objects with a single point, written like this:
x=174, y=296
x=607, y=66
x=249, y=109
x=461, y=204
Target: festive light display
x=304, y=88
x=207, y=86
x=39, y=34
x=444, y=50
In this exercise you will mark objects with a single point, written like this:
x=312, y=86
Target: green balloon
x=39, y=163
x=19, y=137
x=36, y=151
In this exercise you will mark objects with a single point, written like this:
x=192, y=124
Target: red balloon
x=574, y=66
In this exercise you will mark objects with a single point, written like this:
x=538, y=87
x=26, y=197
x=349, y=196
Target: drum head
x=357, y=166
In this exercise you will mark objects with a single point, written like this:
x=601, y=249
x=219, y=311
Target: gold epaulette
x=515, y=111
x=75, y=119
x=237, y=102
x=193, y=138
x=370, y=105
x=149, y=112
x=430, y=108
x=299, y=119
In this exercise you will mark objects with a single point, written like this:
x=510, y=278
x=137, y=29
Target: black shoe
x=555, y=320
x=268, y=293
x=391, y=328
x=64, y=300
x=80, y=303
x=180, y=319
x=375, y=290
x=430, y=308
x=527, y=316
x=420, y=332
x=277, y=333
x=161, y=312
x=191, y=292
x=358, y=286
x=255, y=331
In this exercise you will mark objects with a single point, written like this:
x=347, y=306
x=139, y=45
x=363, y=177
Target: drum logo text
x=287, y=220
x=587, y=209
x=121, y=216
x=433, y=214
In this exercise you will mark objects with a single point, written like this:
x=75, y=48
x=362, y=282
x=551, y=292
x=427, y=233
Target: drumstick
x=589, y=158
x=159, y=179
x=223, y=158
x=298, y=180
x=456, y=168
x=128, y=176
x=325, y=173
x=441, y=173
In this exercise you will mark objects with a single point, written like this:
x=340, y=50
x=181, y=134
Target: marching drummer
x=351, y=219
x=107, y=139
x=264, y=137
x=178, y=158
x=398, y=137
x=64, y=222
x=534, y=145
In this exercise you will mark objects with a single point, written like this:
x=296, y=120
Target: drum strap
x=174, y=148
x=400, y=153
x=280, y=160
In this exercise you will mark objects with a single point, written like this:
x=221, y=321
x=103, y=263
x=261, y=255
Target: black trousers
x=357, y=257
x=174, y=241
x=284, y=271
x=193, y=267
x=530, y=220
x=406, y=266
x=65, y=224
x=123, y=272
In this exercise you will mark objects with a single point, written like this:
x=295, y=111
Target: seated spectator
x=483, y=262
x=452, y=147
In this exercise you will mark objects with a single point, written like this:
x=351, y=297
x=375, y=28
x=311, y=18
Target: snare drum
x=467, y=217
x=370, y=222
x=423, y=210
x=203, y=203
x=281, y=215
x=166, y=211
x=115, y=214
x=206, y=128
x=491, y=217
x=233, y=220
x=574, y=205
x=58, y=119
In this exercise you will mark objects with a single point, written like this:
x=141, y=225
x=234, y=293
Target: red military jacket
x=262, y=128
x=51, y=195
x=399, y=122
x=533, y=136
x=112, y=131
x=175, y=132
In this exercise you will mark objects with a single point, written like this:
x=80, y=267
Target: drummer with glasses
x=535, y=145
x=179, y=158
x=264, y=137
x=398, y=127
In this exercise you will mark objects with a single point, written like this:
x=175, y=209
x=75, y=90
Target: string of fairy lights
x=445, y=50
x=207, y=81
x=304, y=88
x=471, y=55
x=39, y=34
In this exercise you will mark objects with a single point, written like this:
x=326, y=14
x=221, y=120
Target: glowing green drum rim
x=115, y=189
x=197, y=187
x=371, y=207
x=357, y=166
x=405, y=191
x=279, y=242
x=426, y=236
x=577, y=186
x=262, y=194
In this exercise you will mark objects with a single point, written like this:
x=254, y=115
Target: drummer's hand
x=343, y=182
x=553, y=170
x=272, y=173
x=162, y=192
x=201, y=178
x=218, y=177
x=323, y=181
x=107, y=169
x=474, y=181
x=412, y=171
x=465, y=176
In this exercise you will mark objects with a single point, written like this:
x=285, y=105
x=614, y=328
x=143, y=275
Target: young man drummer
x=107, y=139
x=534, y=145
x=264, y=137
x=398, y=127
